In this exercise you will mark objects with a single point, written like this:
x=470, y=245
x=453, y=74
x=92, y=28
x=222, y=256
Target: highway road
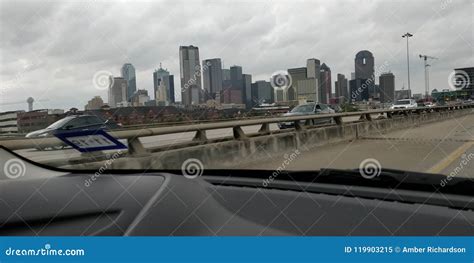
x=445, y=147
x=151, y=141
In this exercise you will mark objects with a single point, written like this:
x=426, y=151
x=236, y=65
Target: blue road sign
x=90, y=141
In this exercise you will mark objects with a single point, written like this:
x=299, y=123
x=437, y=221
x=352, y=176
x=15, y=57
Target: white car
x=429, y=104
x=307, y=109
x=404, y=104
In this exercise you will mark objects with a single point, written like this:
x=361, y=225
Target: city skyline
x=57, y=66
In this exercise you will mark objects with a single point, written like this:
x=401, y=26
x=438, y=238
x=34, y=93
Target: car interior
x=164, y=203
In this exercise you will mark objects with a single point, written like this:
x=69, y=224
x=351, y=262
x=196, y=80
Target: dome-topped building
x=364, y=65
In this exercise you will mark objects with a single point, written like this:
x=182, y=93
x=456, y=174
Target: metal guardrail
x=191, y=122
x=135, y=146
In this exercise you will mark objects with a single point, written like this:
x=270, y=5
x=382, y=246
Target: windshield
x=402, y=102
x=59, y=124
x=195, y=86
x=303, y=109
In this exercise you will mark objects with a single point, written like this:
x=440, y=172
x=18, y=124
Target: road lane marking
x=456, y=154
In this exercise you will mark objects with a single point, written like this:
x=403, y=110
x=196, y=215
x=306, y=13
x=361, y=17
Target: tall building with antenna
x=128, y=74
x=163, y=86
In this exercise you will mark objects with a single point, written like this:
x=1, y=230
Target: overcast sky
x=51, y=50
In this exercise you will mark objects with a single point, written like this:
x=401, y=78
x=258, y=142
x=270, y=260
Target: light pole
x=407, y=36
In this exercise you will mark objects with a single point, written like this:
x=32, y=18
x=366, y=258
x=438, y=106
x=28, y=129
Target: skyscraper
x=359, y=90
x=236, y=77
x=364, y=65
x=117, y=92
x=140, y=98
x=342, y=93
x=313, y=67
x=158, y=75
x=163, y=79
x=302, y=90
x=325, y=87
x=168, y=82
x=464, y=79
x=307, y=89
x=387, y=87
x=212, y=76
x=225, y=74
x=128, y=74
x=190, y=73
x=161, y=95
x=364, y=83
x=282, y=84
x=226, y=84
x=247, y=90
x=237, y=82
x=279, y=95
x=262, y=92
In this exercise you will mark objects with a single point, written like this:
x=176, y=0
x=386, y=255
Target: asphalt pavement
x=445, y=147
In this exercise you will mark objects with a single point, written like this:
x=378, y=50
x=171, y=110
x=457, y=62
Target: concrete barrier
x=226, y=152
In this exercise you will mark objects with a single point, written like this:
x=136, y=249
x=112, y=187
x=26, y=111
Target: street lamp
x=408, y=35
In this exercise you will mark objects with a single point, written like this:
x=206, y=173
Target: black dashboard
x=164, y=204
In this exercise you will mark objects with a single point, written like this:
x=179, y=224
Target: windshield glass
x=59, y=123
x=304, y=108
x=195, y=86
x=402, y=102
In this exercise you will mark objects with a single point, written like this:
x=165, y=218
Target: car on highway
x=428, y=104
x=74, y=123
x=468, y=102
x=404, y=104
x=336, y=108
x=307, y=109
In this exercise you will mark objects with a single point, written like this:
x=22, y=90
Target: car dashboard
x=165, y=204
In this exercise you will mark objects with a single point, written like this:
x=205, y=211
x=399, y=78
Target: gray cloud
x=51, y=50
